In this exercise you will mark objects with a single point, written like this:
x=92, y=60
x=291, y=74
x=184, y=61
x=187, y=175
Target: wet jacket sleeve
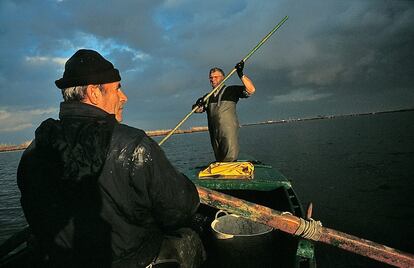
x=173, y=197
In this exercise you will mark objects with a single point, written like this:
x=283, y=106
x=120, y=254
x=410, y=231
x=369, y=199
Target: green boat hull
x=270, y=188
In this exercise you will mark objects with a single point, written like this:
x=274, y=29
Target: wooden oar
x=294, y=225
x=218, y=87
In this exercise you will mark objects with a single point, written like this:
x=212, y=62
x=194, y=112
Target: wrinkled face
x=216, y=78
x=113, y=99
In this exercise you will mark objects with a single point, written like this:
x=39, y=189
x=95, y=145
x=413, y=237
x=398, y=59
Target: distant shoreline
x=163, y=132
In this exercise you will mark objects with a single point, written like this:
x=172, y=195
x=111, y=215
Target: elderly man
x=223, y=124
x=97, y=193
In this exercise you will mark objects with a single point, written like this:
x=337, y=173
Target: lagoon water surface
x=358, y=171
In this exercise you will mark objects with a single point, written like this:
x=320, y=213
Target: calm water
x=357, y=171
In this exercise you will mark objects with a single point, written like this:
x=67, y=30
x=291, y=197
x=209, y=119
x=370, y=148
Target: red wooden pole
x=291, y=224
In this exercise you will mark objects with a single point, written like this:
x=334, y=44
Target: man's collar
x=219, y=90
x=80, y=109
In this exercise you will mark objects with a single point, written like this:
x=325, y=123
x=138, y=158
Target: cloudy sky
x=330, y=57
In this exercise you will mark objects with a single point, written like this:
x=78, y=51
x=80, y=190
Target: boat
x=266, y=198
x=268, y=187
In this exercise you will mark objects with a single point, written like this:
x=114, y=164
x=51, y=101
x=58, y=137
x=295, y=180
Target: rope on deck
x=310, y=229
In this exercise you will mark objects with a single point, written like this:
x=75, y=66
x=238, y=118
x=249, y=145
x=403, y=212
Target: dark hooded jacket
x=97, y=193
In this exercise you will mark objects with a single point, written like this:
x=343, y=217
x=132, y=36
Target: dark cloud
x=330, y=57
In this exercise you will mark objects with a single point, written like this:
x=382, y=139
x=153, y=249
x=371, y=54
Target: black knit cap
x=87, y=67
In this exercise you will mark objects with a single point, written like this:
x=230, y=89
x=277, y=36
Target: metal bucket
x=241, y=242
x=231, y=225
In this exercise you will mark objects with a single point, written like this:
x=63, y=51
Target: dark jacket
x=97, y=193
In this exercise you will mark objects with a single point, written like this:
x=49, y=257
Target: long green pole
x=217, y=88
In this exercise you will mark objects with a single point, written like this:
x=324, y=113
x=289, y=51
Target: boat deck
x=265, y=178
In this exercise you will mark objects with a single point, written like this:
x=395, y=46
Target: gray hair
x=77, y=93
x=216, y=69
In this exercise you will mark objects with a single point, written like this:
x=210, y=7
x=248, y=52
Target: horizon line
x=163, y=132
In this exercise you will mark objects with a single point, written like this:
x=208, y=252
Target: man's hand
x=239, y=68
x=200, y=104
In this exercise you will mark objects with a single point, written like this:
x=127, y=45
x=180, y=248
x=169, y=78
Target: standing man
x=223, y=124
x=98, y=193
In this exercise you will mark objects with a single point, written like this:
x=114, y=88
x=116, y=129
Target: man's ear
x=93, y=94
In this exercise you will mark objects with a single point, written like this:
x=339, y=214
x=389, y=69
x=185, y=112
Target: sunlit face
x=216, y=78
x=113, y=99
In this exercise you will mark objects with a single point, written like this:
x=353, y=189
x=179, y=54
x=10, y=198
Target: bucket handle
x=219, y=234
x=219, y=212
